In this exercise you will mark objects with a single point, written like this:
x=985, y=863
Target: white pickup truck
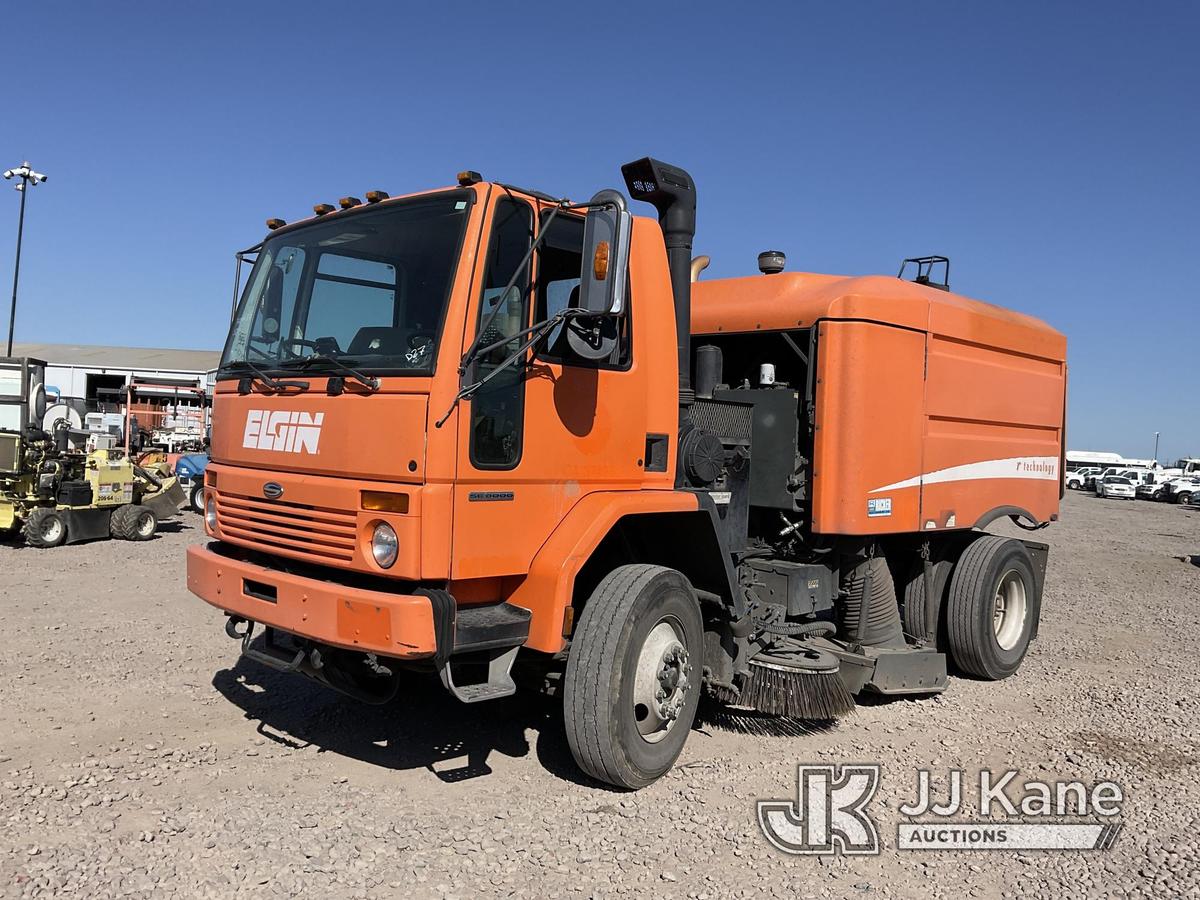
x=1182, y=490
x=1076, y=480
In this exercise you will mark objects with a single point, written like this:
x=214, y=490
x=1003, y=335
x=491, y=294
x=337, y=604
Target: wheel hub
x=1009, y=610
x=662, y=681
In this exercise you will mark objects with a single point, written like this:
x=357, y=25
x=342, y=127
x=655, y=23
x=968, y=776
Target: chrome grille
x=295, y=529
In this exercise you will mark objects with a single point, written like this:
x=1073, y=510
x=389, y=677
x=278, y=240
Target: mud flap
x=166, y=502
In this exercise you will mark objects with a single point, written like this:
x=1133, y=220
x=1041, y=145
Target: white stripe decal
x=1041, y=468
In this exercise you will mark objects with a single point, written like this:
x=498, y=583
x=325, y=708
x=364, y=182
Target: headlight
x=384, y=545
x=210, y=513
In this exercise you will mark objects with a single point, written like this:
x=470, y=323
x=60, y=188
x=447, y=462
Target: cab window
x=498, y=408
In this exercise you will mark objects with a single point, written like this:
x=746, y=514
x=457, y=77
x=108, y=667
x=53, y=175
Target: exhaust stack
x=671, y=191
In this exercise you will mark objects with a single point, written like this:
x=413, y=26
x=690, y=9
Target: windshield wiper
x=535, y=332
x=370, y=383
x=271, y=382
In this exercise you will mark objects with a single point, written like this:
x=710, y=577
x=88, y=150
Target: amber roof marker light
x=275, y=223
x=323, y=208
x=349, y=202
x=376, y=196
x=469, y=177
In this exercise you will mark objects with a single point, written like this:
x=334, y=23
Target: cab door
x=550, y=429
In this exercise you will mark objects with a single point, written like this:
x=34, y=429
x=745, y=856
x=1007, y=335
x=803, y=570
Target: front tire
x=1184, y=497
x=633, y=675
x=992, y=608
x=45, y=528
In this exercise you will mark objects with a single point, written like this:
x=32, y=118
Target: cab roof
x=792, y=300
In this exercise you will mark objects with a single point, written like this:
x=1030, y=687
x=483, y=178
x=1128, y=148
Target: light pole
x=28, y=177
x=1156, y=446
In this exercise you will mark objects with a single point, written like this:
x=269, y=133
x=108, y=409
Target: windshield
x=370, y=288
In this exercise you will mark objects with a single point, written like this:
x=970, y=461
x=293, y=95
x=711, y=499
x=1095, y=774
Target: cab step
x=499, y=681
x=486, y=642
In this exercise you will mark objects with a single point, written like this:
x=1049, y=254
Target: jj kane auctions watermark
x=830, y=813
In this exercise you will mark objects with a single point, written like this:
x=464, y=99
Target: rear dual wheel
x=632, y=683
x=992, y=607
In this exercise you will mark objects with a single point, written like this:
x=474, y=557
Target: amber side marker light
x=468, y=178
x=568, y=621
x=275, y=223
x=600, y=261
x=376, y=196
x=322, y=208
x=349, y=202
x=382, y=501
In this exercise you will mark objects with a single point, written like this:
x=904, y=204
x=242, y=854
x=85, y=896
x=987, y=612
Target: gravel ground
x=140, y=757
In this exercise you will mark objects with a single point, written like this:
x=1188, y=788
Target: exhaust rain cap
x=771, y=262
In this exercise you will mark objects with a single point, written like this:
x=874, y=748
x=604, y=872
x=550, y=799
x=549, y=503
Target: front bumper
x=396, y=625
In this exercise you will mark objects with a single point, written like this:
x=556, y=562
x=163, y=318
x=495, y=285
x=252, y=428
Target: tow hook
x=231, y=628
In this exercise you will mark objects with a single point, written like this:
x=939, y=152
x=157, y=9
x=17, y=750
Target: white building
x=93, y=373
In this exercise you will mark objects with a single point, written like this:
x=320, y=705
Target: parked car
x=1116, y=487
x=1077, y=479
x=1136, y=476
x=1092, y=481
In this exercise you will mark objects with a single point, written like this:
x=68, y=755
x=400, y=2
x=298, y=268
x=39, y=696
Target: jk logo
x=828, y=814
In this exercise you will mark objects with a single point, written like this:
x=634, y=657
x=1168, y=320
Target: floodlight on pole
x=27, y=177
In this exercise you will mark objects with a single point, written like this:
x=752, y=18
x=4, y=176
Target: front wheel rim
x=145, y=525
x=662, y=681
x=51, y=530
x=1010, y=609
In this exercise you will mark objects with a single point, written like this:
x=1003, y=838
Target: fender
x=548, y=589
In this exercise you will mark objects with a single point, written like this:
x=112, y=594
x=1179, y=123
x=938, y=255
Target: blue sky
x=1050, y=149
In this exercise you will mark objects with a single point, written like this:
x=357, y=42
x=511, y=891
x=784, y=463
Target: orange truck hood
x=355, y=434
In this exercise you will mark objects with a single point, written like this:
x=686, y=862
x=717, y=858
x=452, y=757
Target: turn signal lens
x=600, y=261
x=382, y=501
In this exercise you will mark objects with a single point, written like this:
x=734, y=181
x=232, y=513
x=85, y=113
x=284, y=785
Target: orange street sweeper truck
x=479, y=430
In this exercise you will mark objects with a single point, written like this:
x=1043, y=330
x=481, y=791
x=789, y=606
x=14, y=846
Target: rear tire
x=640, y=635
x=1184, y=497
x=45, y=528
x=196, y=498
x=133, y=523
x=929, y=630
x=992, y=607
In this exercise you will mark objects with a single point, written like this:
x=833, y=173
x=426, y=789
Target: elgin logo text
x=282, y=431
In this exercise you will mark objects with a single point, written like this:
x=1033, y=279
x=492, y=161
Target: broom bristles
x=793, y=692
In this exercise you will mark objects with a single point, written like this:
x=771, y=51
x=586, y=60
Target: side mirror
x=606, y=235
x=272, y=307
